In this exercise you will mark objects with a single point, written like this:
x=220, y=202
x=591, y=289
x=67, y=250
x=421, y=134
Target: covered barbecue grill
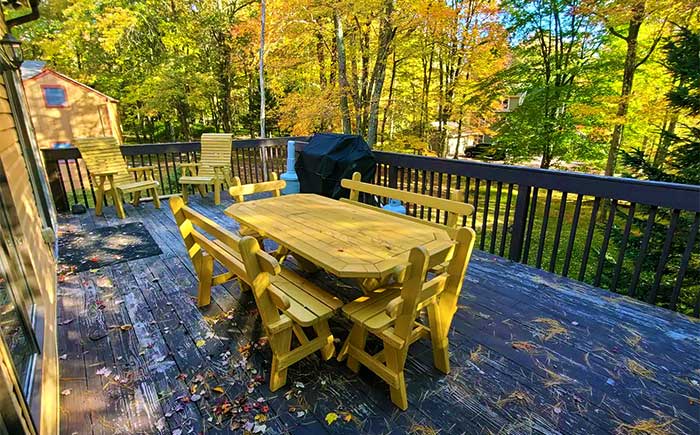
x=330, y=157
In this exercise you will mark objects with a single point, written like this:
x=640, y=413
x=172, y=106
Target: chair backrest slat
x=254, y=266
x=103, y=154
x=455, y=207
x=447, y=285
x=215, y=151
x=238, y=191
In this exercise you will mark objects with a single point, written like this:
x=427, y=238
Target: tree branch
x=618, y=34
x=653, y=46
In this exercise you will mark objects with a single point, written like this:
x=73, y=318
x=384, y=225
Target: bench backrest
x=455, y=208
x=417, y=288
x=242, y=256
x=215, y=151
x=103, y=154
x=238, y=191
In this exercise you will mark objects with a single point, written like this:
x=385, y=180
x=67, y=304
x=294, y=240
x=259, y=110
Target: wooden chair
x=110, y=174
x=287, y=302
x=213, y=168
x=390, y=313
x=239, y=191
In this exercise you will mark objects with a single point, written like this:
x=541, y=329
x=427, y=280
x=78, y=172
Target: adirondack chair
x=213, y=168
x=390, y=313
x=110, y=174
x=287, y=302
x=239, y=191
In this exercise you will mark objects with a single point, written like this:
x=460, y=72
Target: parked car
x=485, y=151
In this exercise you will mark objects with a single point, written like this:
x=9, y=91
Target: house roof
x=33, y=69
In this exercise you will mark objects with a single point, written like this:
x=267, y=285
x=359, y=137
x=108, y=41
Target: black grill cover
x=330, y=157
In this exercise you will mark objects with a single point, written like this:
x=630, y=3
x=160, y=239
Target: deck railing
x=633, y=237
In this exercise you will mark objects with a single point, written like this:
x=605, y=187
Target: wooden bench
x=455, y=207
x=390, y=313
x=287, y=302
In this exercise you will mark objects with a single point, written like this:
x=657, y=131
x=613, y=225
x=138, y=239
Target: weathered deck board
x=531, y=352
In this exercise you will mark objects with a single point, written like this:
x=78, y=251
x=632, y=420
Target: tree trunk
x=386, y=36
x=627, y=82
x=394, y=63
x=342, y=74
x=262, y=75
x=666, y=140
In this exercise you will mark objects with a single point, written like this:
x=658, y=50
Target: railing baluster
x=476, y=202
x=496, y=212
x=530, y=225
x=589, y=239
x=543, y=230
x=572, y=235
x=70, y=180
x=422, y=191
x=485, y=220
x=651, y=297
x=506, y=218
x=557, y=233
x=466, y=199
x=519, y=222
x=684, y=263
x=623, y=247
x=167, y=172
x=606, y=241
x=632, y=291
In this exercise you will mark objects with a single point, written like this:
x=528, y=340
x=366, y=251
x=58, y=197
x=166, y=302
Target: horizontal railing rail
x=633, y=237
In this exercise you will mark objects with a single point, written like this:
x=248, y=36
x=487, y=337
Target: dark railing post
x=519, y=222
x=393, y=176
x=60, y=198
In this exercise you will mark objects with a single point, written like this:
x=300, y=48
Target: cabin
x=62, y=108
x=28, y=327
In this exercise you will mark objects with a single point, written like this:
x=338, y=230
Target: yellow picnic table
x=347, y=240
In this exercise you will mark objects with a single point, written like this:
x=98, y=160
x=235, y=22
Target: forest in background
x=592, y=76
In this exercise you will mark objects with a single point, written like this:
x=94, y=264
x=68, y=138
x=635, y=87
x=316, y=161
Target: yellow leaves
x=201, y=342
x=218, y=389
x=331, y=417
x=113, y=25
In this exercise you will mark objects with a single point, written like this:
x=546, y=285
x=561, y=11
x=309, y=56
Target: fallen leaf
x=126, y=327
x=177, y=432
x=259, y=428
x=64, y=356
x=66, y=392
x=331, y=417
x=218, y=389
x=195, y=397
x=104, y=371
x=66, y=322
x=347, y=417
x=200, y=342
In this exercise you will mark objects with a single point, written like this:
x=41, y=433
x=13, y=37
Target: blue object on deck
x=395, y=205
x=290, y=176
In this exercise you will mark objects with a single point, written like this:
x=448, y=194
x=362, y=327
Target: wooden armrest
x=141, y=168
x=220, y=166
x=392, y=308
x=188, y=164
x=104, y=173
x=279, y=298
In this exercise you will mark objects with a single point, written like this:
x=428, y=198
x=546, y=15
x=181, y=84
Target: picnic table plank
x=340, y=237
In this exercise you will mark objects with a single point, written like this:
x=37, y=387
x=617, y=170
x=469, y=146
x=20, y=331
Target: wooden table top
x=346, y=240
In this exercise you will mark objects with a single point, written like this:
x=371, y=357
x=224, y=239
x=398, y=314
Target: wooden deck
x=532, y=352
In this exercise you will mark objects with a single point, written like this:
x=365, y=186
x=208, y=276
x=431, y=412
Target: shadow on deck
x=531, y=352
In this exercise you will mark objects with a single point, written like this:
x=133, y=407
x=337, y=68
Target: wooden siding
x=36, y=255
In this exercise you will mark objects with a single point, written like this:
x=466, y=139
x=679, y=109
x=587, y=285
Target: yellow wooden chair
x=213, y=168
x=239, y=191
x=391, y=313
x=110, y=174
x=287, y=302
